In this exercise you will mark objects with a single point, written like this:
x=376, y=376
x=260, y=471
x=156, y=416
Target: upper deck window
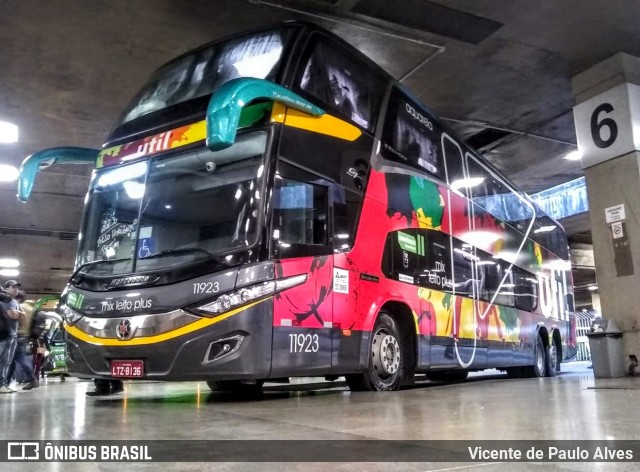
x=203, y=71
x=344, y=82
x=411, y=136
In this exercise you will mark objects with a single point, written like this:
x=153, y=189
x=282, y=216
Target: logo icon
x=123, y=330
x=23, y=451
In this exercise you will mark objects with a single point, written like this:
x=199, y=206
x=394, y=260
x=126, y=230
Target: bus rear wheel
x=540, y=356
x=385, y=368
x=236, y=386
x=552, y=364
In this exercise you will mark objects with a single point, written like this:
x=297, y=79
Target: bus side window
x=526, y=290
x=300, y=216
x=342, y=81
x=493, y=276
x=346, y=205
x=453, y=160
x=463, y=280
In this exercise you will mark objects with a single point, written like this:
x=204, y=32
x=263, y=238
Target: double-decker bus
x=275, y=205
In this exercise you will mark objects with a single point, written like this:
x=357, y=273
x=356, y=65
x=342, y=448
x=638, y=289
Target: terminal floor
x=572, y=406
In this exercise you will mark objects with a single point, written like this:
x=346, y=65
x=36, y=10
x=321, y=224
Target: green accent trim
x=32, y=164
x=75, y=300
x=45, y=299
x=252, y=114
x=407, y=242
x=226, y=105
x=420, y=244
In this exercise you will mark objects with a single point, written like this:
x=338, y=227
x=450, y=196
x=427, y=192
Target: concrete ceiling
x=67, y=68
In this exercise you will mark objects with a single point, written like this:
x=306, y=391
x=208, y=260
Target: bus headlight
x=70, y=316
x=249, y=294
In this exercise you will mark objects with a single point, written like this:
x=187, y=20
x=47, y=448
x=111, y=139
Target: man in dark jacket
x=11, y=313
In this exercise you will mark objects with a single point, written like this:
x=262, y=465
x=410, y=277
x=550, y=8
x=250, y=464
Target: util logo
x=552, y=295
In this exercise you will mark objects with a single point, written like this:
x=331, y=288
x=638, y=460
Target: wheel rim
x=385, y=353
x=553, y=356
x=540, y=358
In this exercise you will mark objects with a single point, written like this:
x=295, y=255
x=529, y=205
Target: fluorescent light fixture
x=8, y=173
x=485, y=263
x=481, y=239
x=466, y=254
x=593, y=288
x=573, y=155
x=122, y=174
x=545, y=229
x=9, y=272
x=509, y=256
x=9, y=263
x=258, y=66
x=8, y=132
x=557, y=265
x=467, y=183
x=135, y=190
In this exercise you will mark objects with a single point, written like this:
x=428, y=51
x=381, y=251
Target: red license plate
x=130, y=369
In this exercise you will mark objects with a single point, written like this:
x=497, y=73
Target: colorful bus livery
x=274, y=205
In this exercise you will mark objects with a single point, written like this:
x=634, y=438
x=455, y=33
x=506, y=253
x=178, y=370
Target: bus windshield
x=168, y=211
x=202, y=72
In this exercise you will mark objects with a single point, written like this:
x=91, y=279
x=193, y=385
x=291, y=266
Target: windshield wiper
x=177, y=252
x=92, y=263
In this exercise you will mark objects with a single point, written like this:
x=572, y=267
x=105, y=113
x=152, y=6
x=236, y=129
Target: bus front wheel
x=386, y=363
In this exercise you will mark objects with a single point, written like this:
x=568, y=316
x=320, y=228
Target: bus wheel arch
x=391, y=351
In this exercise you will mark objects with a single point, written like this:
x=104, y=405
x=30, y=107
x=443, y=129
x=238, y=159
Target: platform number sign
x=605, y=124
x=604, y=130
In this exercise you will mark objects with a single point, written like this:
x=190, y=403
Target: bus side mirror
x=225, y=107
x=61, y=155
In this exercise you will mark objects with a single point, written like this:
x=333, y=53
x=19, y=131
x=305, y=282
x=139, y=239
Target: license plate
x=130, y=369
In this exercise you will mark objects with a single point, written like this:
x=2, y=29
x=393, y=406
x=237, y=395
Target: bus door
x=461, y=347
x=303, y=315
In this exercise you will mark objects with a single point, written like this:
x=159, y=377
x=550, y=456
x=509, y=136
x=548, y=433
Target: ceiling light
x=8, y=173
x=8, y=132
x=545, y=229
x=467, y=183
x=9, y=263
x=593, y=288
x=574, y=155
x=9, y=272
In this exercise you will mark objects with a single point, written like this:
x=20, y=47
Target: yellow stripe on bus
x=195, y=326
x=325, y=124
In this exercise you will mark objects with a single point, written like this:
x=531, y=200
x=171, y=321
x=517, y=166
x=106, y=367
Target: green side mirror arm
x=32, y=164
x=223, y=112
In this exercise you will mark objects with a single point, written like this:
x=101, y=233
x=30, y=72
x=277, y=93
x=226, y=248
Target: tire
x=385, y=368
x=539, y=367
x=552, y=360
x=236, y=386
x=448, y=375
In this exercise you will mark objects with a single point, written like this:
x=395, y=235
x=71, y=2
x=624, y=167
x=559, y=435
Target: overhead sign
x=614, y=213
x=608, y=125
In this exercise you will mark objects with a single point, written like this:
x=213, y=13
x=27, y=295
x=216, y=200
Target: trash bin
x=607, y=354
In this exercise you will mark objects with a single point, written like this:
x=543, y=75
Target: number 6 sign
x=608, y=125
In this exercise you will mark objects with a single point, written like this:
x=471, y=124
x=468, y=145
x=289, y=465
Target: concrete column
x=607, y=117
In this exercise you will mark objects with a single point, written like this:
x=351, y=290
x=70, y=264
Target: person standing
x=12, y=313
x=20, y=356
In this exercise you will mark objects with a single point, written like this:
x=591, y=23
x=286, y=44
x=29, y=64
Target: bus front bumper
x=235, y=345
